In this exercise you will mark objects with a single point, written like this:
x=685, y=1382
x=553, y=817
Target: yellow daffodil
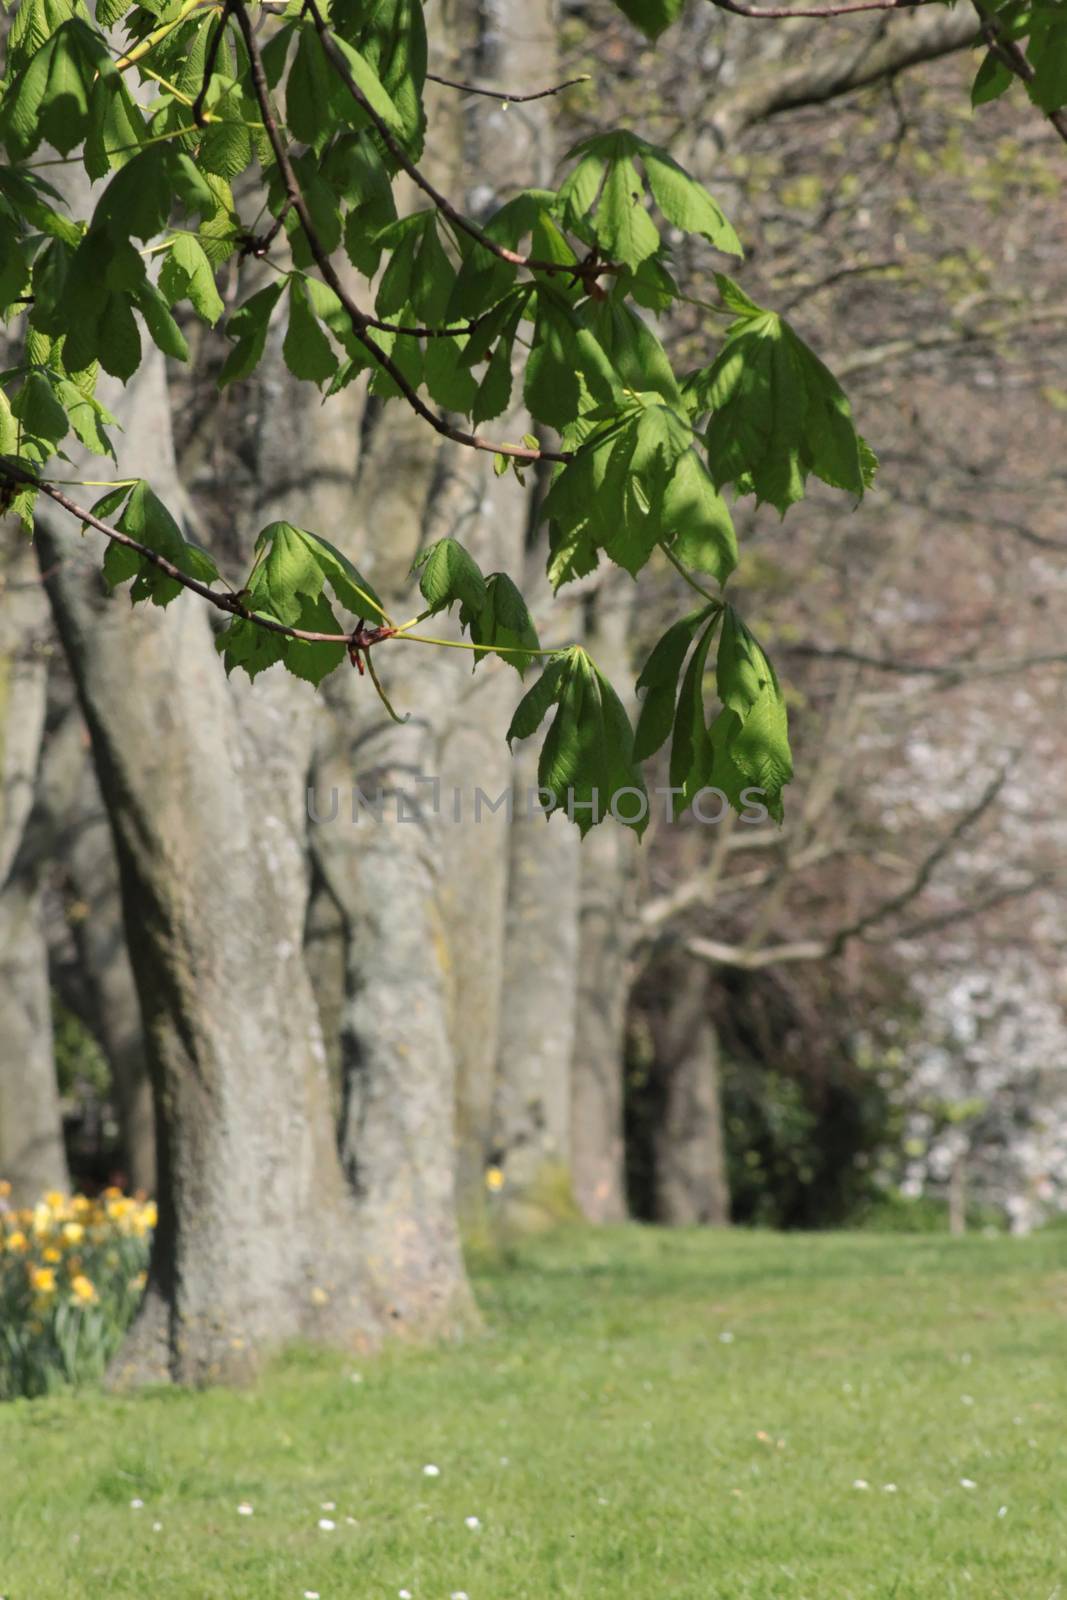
x=16, y=1242
x=5, y=1188
x=494, y=1179
x=51, y=1255
x=55, y=1200
x=83, y=1290
x=43, y=1280
x=73, y=1232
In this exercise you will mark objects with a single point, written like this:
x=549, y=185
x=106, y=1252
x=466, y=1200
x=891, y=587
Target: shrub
x=72, y=1270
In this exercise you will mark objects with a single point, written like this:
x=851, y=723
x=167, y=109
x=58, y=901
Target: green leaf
x=370, y=87
x=634, y=351
x=307, y=351
x=249, y=326
x=137, y=201
x=313, y=91
x=391, y=35
x=531, y=709
x=161, y=325
x=447, y=573
x=992, y=79
x=659, y=678
x=604, y=195
x=778, y=414
x=290, y=573
x=623, y=226
x=697, y=520
x=87, y=417
x=567, y=373
x=349, y=585
x=42, y=416
x=186, y=274
x=147, y=519
x=653, y=17
x=691, y=751
x=502, y=624
x=751, y=747
x=1047, y=53
x=587, y=760
x=685, y=202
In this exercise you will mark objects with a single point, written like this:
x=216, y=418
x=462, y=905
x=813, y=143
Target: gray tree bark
x=203, y=781
x=104, y=995
x=32, y=1157
x=690, y=1161
x=608, y=891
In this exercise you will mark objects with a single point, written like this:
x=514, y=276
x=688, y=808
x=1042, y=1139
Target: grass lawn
x=652, y=1416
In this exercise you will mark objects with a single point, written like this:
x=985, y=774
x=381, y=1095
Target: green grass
x=649, y=1456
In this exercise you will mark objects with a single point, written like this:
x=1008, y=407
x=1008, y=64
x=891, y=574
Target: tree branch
x=222, y=601
x=746, y=959
x=847, y=9
x=357, y=317
x=953, y=671
x=502, y=94
x=904, y=42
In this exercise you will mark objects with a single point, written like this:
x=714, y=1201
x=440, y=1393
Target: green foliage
x=554, y=289
x=587, y=761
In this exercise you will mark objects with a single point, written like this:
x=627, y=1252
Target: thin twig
x=848, y=9
x=229, y=603
x=502, y=94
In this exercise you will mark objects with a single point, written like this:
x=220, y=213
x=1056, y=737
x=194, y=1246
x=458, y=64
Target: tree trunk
x=32, y=1157
x=609, y=861
x=203, y=781
x=104, y=996
x=690, y=1161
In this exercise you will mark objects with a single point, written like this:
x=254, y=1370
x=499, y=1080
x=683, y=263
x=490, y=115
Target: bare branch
x=952, y=671
x=904, y=42
x=848, y=9
x=749, y=959
x=502, y=94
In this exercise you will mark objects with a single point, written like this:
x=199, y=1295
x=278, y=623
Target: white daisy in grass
x=430, y=1471
x=311, y=1594
x=473, y=1523
x=244, y=1509
x=459, y=1594
x=328, y=1505
x=860, y=1483
x=136, y=1505
x=403, y=1594
x=326, y=1525
x=968, y=1483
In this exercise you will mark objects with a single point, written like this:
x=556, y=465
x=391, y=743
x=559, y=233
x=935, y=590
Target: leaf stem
x=690, y=580
x=485, y=649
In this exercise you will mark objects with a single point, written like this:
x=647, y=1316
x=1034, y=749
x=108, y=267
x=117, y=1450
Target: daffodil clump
x=72, y=1270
